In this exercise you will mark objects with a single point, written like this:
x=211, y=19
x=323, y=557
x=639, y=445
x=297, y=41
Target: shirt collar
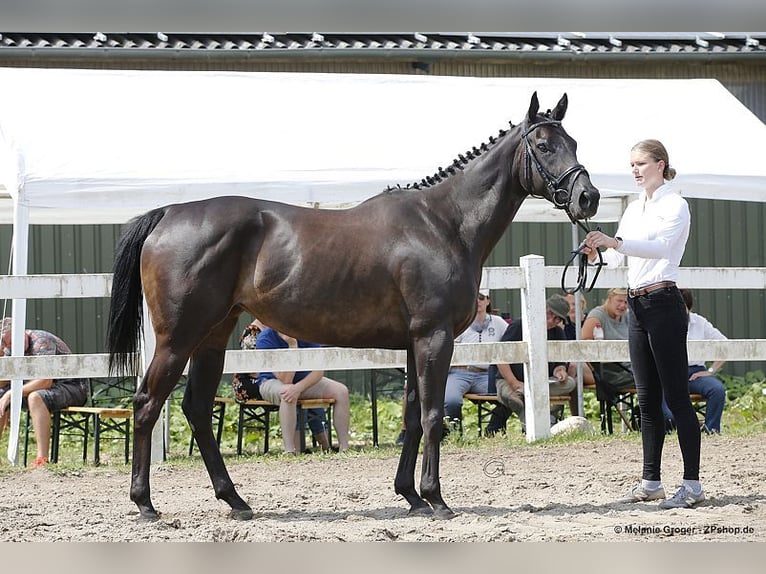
x=665, y=189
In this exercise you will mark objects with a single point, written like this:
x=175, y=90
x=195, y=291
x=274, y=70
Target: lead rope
x=582, y=265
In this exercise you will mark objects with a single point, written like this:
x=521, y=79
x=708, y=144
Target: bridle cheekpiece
x=560, y=196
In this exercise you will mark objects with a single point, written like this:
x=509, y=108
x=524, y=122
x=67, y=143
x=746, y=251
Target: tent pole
x=19, y=311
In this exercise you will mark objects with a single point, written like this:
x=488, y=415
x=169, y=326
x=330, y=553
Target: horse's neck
x=488, y=194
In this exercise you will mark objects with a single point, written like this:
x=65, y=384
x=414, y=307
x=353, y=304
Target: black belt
x=470, y=368
x=649, y=288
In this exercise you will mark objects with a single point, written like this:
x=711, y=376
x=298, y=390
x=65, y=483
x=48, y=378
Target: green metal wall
x=723, y=234
x=68, y=249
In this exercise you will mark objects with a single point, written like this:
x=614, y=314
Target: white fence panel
x=99, y=285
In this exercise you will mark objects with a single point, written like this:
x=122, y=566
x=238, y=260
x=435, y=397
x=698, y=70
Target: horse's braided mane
x=457, y=165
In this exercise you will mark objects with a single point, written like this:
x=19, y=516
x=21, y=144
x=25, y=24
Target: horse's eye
x=543, y=147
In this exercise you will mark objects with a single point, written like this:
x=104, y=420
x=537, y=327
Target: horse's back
x=353, y=277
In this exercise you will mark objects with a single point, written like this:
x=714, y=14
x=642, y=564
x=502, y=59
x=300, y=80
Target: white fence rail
x=337, y=358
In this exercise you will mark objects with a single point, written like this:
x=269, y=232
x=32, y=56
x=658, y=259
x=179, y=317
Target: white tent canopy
x=94, y=146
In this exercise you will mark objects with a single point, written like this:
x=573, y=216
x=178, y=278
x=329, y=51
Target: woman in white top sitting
x=462, y=379
x=612, y=315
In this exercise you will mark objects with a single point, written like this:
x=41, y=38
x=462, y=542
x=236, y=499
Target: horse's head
x=548, y=156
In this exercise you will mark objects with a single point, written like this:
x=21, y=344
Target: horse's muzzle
x=586, y=204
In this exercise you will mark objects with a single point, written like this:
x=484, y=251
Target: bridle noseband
x=562, y=199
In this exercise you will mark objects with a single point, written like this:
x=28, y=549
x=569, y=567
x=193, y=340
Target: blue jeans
x=714, y=392
x=316, y=420
x=657, y=342
x=460, y=382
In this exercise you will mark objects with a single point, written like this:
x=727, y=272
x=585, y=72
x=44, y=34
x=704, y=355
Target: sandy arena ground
x=546, y=492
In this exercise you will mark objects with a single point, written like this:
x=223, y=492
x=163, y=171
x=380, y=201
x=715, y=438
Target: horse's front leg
x=205, y=373
x=155, y=387
x=432, y=357
x=404, y=484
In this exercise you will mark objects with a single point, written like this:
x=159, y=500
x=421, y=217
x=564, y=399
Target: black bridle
x=561, y=197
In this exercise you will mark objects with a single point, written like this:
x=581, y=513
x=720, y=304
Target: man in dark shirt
x=510, y=384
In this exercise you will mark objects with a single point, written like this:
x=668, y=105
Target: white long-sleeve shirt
x=654, y=233
x=700, y=329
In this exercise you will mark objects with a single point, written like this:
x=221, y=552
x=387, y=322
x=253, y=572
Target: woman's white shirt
x=654, y=233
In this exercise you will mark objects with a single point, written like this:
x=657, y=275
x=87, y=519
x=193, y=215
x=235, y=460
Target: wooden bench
x=256, y=413
x=486, y=404
x=627, y=398
x=252, y=411
x=105, y=419
x=699, y=402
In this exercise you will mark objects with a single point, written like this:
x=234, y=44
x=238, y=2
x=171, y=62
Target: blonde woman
x=652, y=235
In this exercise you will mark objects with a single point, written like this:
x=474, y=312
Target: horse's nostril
x=589, y=202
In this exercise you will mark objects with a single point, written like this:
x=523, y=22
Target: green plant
x=745, y=411
x=736, y=386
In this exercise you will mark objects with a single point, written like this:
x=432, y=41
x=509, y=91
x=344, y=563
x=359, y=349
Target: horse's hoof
x=424, y=510
x=147, y=516
x=444, y=513
x=241, y=514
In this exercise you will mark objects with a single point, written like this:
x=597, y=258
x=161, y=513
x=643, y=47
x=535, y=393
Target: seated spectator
x=285, y=388
x=244, y=385
x=462, y=379
x=40, y=396
x=510, y=384
x=245, y=388
x=611, y=378
x=570, y=331
x=569, y=324
x=702, y=380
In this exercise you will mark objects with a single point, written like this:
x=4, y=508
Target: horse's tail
x=126, y=310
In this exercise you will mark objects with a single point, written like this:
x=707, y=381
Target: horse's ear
x=534, y=106
x=561, y=108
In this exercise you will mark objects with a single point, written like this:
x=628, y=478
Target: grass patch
x=744, y=414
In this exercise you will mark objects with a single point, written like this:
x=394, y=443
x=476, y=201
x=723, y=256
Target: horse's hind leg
x=204, y=376
x=404, y=483
x=156, y=385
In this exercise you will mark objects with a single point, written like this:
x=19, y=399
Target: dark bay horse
x=399, y=271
